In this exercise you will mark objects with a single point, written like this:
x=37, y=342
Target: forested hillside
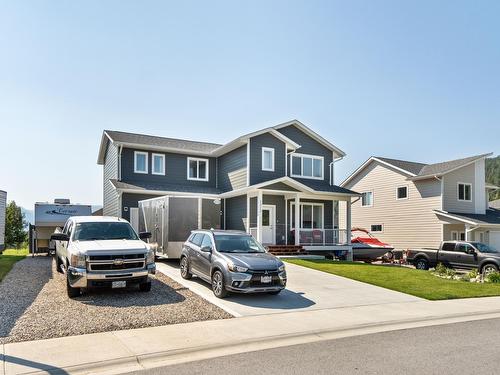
x=493, y=175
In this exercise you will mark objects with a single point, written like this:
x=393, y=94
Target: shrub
x=493, y=277
x=440, y=269
x=473, y=273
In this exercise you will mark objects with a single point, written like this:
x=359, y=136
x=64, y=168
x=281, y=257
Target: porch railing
x=308, y=237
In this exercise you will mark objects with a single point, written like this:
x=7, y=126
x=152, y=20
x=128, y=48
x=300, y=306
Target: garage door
x=495, y=239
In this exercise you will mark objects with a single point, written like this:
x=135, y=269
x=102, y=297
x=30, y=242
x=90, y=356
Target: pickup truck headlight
x=78, y=260
x=150, y=256
x=281, y=268
x=234, y=268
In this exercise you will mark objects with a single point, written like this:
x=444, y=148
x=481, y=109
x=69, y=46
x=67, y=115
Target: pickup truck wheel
x=422, y=264
x=218, y=286
x=72, y=292
x=489, y=268
x=145, y=287
x=58, y=265
x=185, y=274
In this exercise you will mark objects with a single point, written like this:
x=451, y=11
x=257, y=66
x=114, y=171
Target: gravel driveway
x=34, y=305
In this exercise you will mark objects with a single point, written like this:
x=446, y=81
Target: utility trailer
x=170, y=219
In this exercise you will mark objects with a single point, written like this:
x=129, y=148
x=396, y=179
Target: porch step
x=286, y=250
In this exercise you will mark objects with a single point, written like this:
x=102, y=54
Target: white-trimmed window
x=402, y=192
x=307, y=166
x=367, y=199
x=311, y=216
x=268, y=159
x=140, y=162
x=454, y=235
x=480, y=237
x=376, y=228
x=158, y=164
x=464, y=191
x=197, y=169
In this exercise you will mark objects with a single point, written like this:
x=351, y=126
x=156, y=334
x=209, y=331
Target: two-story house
x=276, y=183
x=409, y=204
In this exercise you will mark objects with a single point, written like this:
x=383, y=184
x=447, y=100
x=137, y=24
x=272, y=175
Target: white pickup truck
x=95, y=251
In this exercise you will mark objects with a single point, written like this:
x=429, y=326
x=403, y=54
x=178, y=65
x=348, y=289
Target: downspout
x=330, y=166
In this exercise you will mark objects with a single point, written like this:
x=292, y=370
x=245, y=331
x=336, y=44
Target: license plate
x=118, y=284
x=266, y=279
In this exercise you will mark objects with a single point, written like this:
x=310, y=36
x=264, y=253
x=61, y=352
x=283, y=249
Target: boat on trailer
x=366, y=247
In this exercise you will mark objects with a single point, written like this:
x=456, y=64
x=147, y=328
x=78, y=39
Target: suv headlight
x=78, y=260
x=281, y=268
x=234, y=268
x=150, y=256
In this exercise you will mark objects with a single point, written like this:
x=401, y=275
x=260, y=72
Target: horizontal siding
x=450, y=190
x=236, y=212
x=232, y=170
x=131, y=200
x=257, y=175
x=407, y=223
x=110, y=171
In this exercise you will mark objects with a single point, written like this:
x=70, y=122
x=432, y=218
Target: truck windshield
x=484, y=248
x=104, y=231
x=237, y=244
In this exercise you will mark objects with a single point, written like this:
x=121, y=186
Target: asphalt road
x=462, y=348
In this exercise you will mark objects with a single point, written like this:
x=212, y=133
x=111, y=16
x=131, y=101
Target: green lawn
x=415, y=282
x=8, y=258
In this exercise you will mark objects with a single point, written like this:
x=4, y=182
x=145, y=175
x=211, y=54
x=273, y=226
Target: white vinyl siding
x=140, y=162
x=451, y=181
x=412, y=224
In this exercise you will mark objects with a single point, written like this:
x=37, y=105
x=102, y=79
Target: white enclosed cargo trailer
x=3, y=206
x=48, y=217
x=170, y=219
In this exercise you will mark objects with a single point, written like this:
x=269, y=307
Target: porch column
x=297, y=220
x=259, y=216
x=348, y=229
x=467, y=232
x=248, y=214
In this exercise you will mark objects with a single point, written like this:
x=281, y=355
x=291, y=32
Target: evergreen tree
x=15, y=235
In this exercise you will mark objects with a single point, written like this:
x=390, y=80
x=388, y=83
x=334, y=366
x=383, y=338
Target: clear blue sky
x=417, y=80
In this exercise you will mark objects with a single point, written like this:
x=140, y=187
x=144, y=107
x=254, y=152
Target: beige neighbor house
x=410, y=204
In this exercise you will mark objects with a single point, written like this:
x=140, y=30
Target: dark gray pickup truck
x=457, y=254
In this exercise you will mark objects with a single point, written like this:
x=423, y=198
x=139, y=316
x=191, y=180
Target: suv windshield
x=237, y=244
x=104, y=231
x=484, y=248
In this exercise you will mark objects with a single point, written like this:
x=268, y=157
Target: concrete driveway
x=307, y=289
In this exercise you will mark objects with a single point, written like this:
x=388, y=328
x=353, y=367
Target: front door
x=268, y=224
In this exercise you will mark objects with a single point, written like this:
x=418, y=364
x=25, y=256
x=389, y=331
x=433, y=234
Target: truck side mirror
x=59, y=237
x=145, y=235
x=206, y=249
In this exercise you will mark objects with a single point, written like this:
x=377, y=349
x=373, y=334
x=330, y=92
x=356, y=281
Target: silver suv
x=232, y=262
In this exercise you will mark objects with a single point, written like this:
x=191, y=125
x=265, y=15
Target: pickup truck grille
x=115, y=262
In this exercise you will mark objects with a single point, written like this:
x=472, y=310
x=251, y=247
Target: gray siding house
x=409, y=204
x=276, y=183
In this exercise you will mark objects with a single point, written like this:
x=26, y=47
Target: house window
x=462, y=236
x=377, y=228
x=140, y=162
x=454, y=235
x=481, y=237
x=158, y=164
x=464, y=192
x=402, y=192
x=307, y=166
x=311, y=216
x=268, y=159
x=367, y=199
x=197, y=169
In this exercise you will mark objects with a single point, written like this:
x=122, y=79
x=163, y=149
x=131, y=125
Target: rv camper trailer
x=170, y=219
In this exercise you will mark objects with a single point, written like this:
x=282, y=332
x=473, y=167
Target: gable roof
x=419, y=171
x=155, y=143
x=490, y=217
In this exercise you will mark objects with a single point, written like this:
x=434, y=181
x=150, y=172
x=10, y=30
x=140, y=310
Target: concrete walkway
x=307, y=290
x=121, y=351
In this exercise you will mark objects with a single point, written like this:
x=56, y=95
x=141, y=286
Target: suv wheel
x=489, y=268
x=145, y=287
x=72, y=292
x=218, y=286
x=185, y=269
x=421, y=264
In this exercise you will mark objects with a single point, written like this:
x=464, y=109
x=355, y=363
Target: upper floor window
x=140, y=162
x=402, y=192
x=268, y=159
x=464, y=192
x=158, y=164
x=367, y=199
x=197, y=169
x=307, y=166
